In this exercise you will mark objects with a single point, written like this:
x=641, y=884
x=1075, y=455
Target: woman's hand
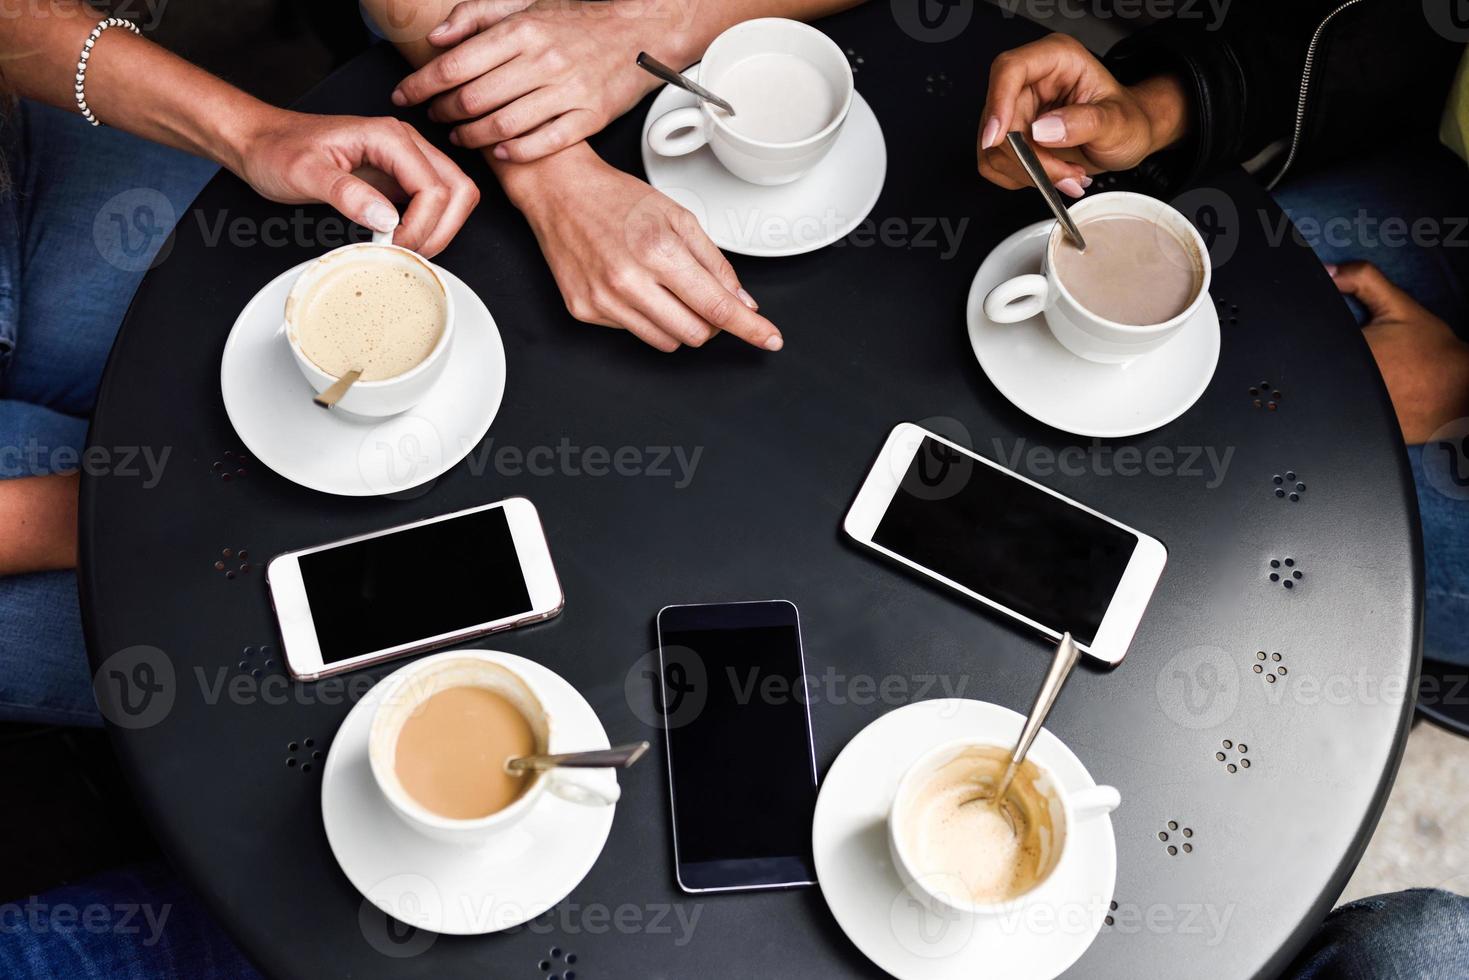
x=1080, y=118
x=350, y=162
x=626, y=256
x=1425, y=366
x=533, y=79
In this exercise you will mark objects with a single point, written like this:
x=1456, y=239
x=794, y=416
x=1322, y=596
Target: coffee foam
x=949, y=838
x=371, y=309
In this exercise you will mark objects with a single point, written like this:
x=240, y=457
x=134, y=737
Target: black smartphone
x=741, y=765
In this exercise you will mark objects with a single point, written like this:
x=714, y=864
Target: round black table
x=875, y=334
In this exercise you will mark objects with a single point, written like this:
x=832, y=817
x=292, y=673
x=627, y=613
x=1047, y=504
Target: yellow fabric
x=1453, y=129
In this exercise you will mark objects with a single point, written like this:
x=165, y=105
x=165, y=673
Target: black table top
x=875, y=334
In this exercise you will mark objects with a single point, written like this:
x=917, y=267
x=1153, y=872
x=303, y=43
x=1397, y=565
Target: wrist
x=674, y=33
x=533, y=186
x=238, y=131
x=1165, y=104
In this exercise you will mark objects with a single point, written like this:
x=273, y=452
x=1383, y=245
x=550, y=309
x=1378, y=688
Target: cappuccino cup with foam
x=377, y=308
x=956, y=850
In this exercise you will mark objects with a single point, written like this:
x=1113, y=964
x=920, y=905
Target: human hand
x=531, y=79
x=357, y=165
x=1424, y=365
x=1080, y=119
x=626, y=256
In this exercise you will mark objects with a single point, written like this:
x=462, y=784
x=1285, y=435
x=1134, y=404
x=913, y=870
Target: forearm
x=131, y=83
x=41, y=517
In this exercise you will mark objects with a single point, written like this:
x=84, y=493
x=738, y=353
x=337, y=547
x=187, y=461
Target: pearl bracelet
x=81, y=76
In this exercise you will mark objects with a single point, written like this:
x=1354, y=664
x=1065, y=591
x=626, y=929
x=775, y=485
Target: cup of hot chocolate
x=441, y=736
x=1144, y=273
x=374, y=307
x=956, y=850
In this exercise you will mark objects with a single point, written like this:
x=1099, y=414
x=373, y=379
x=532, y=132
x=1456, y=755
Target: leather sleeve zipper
x=1295, y=141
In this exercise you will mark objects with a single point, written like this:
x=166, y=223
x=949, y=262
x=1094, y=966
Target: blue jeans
x=88, y=213
x=136, y=924
x=1413, y=935
x=1367, y=209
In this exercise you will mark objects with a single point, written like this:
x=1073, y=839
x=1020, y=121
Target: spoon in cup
x=1061, y=665
x=1037, y=174
x=334, y=394
x=617, y=757
x=658, y=69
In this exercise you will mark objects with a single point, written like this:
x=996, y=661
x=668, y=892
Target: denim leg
x=1411, y=935
x=1445, y=553
x=94, y=205
x=88, y=213
x=137, y=924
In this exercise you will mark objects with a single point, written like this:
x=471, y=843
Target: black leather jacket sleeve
x=1380, y=70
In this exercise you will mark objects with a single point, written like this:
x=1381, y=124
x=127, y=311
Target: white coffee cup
x=682, y=131
x=407, y=689
x=386, y=396
x=943, y=891
x=1079, y=330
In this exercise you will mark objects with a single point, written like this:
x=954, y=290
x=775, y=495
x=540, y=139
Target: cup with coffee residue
x=957, y=854
x=1144, y=273
x=374, y=307
x=440, y=740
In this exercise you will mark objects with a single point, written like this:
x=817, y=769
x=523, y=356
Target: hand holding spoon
x=1061, y=665
x=617, y=757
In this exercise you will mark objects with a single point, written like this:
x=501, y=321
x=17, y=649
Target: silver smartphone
x=391, y=593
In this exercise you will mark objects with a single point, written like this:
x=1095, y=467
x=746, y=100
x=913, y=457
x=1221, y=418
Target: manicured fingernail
x=1048, y=129
x=500, y=153
x=991, y=133
x=747, y=299
x=399, y=98
x=1070, y=187
x=439, y=31
x=1086, y=181
x=380, y=217
x=776, y=342
x=1331, y=270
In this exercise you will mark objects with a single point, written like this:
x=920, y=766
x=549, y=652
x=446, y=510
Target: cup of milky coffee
x=791, y=88
x=955, y=853
x=375, y=307
x=441, y=735
x=1145, y=271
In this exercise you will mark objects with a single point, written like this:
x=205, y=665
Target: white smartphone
x=1018, y=547
x=391, y=593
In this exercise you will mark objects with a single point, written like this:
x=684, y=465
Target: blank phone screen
x=1006, y=540
x=413, y=584
x=744, y=784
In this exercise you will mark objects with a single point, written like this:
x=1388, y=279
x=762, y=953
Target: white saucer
x=887, y=922
x=269, y=404
x=790, y=219
x=457, y=890
x=1052, y=385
